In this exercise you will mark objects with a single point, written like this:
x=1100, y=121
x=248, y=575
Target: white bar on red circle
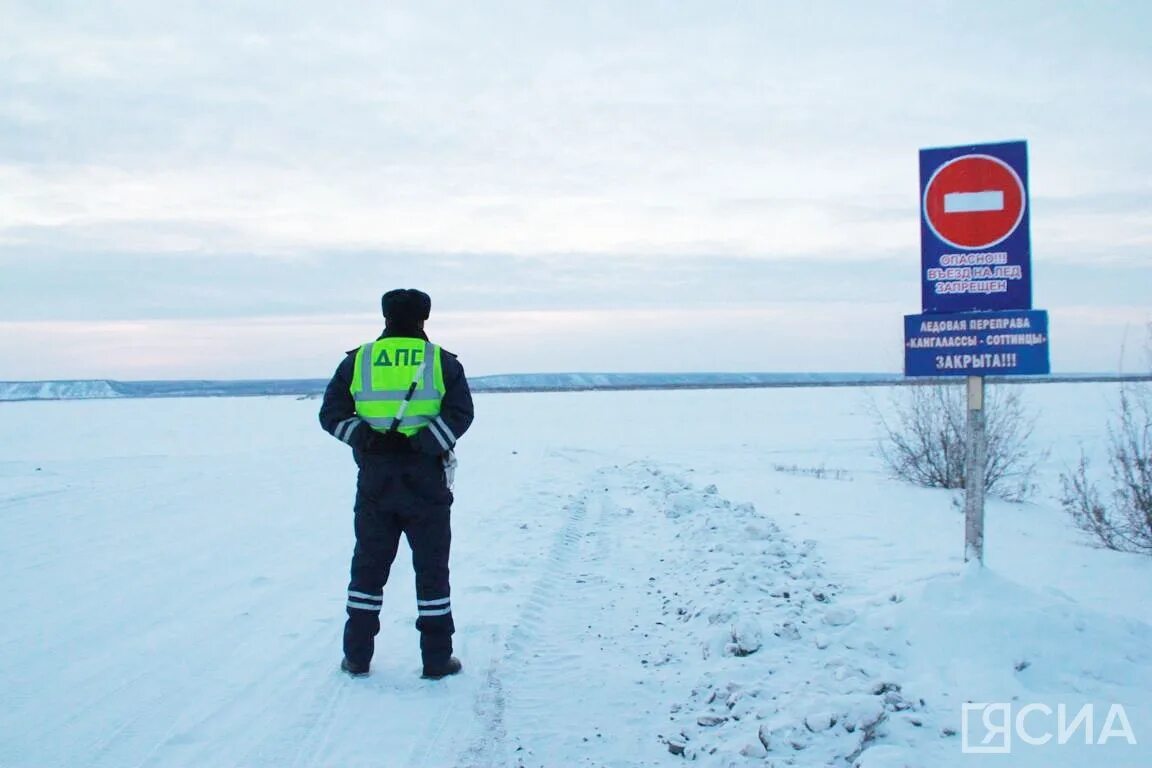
x=974, y=202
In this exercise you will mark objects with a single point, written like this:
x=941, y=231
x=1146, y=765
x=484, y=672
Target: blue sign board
x=975, y=249
x=1011, y=342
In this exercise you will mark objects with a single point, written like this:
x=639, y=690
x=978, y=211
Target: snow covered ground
x=640, y=579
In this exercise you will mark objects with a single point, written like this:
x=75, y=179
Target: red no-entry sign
x=974, y=201
x=974, y=242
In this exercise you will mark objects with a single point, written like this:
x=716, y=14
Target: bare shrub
x=923, y=438
x=1124, y=521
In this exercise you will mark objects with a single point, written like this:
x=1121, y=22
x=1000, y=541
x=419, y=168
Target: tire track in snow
x=234, y=716
x=584, y=625
x=319, y=732
x=439, y=742
x=489, y=749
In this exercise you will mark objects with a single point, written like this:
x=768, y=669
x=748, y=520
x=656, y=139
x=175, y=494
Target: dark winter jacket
x=338, y=412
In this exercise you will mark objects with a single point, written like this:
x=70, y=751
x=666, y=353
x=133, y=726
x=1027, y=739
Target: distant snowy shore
x=95, y=389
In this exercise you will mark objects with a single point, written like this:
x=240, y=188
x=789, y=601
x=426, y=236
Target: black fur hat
x=405, y=306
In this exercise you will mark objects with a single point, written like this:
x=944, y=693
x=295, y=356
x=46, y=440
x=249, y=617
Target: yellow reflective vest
x=385, y=369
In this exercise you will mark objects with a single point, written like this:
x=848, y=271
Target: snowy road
x=174, y=571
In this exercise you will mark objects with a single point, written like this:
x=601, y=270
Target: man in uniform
x=401, y=403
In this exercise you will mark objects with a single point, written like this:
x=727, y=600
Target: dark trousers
x=397, y=495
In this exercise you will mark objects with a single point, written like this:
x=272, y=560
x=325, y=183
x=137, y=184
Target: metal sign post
x=976, y=450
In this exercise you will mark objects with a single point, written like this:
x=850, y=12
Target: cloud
x=114, y=286
x=531, y=130
x=181, y=162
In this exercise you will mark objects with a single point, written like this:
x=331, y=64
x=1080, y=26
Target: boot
x=353, y=669
x=450, y=667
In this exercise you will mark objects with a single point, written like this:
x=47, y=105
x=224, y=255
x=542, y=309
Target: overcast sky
x=223, y=190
